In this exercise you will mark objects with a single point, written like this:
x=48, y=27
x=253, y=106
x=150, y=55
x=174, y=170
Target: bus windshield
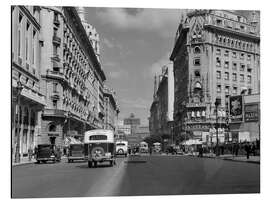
x=98, y=137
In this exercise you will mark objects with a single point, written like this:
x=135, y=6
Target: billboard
x=236, y=108
x=251, y=112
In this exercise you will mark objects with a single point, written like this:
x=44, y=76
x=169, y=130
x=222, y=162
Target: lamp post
x=17, y=152
x=217, y=103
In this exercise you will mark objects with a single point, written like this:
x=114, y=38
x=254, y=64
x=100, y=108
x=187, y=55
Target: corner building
x=72, y=78
x=27, y=99
x=216, y=54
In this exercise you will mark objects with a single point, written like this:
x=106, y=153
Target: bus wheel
x=89, y=164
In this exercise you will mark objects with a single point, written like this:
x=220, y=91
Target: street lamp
x=19, y=89
x=217, y=103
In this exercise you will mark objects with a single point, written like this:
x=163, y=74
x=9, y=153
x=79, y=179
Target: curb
x=33, y=162
x=228, y=159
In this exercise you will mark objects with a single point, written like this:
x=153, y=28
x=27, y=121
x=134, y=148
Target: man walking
x=247, y=149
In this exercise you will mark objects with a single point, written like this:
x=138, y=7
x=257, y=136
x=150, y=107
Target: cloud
x=161, y=20
x=156, y=67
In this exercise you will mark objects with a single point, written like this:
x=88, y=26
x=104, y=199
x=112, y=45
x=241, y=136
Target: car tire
x=89, y=164
x=38, y=162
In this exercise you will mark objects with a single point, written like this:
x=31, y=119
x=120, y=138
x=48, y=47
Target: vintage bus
x=99, y=147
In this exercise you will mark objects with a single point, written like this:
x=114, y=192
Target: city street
x=136, y=175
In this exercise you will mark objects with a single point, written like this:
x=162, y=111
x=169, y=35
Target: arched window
x=52, y=128
x=197, y=50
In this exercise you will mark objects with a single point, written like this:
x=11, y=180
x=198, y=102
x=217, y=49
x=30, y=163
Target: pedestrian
x=150, y=150
x=236, y=149
x=247, y=149
x=253, y=149
x=30, y=153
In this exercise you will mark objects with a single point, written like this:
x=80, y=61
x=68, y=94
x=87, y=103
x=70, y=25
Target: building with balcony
x=111, y=109
x=72, y=78
x=27, y=98
x=161, y=110
x=216, y=54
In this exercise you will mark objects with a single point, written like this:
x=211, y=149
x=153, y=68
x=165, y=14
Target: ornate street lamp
x=19, y=89
x=217, y=103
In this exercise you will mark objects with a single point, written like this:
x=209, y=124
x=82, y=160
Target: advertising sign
x=251, y=112
x=236, y=108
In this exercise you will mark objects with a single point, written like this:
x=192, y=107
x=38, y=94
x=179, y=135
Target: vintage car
x=99, y=147
x=144, y=147
x=121, y=148
x=47, y=152
x=75, y=152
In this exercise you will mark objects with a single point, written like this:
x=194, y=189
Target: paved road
x=144, y=175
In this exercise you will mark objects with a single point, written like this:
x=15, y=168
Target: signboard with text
x=251, y=112
x=236, y=108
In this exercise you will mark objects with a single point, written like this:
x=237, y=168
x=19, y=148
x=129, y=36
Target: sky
x=135, y=44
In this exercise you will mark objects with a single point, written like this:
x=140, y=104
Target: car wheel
x=38, y=162
x=89, y=164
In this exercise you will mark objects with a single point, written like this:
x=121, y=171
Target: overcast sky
x=135, y=44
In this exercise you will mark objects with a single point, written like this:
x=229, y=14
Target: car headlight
x=52, y=156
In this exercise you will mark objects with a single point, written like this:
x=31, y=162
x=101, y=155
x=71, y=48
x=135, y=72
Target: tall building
x=161, y=110
x=216, y=54
x=27, y=99
x=111, y=109
x=72, y=77
x=133, y=122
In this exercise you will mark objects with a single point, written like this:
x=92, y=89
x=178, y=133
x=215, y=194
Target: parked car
x=75, y=152
x=48, y=152
x=171, y=150
x=100, y=147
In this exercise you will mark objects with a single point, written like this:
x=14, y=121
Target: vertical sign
x=236, y=108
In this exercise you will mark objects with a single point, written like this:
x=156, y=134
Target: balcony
x=56, y=40
x=55, y=74
x=55, y=57
x=54, y=113
x=56, y=22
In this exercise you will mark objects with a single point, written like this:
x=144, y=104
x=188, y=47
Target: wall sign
x=236, y=108
x=251, y=112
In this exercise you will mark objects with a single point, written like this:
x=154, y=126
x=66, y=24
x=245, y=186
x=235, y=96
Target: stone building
x=27, y=99
x=216, y=54
x=161, y=110
x=72, y=77
x=111, y=109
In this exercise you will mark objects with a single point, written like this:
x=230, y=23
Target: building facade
x=111, y=109
x=27, y=98
x=72, y=77
x=133, y=122
x=161, y=110
x=216, y=54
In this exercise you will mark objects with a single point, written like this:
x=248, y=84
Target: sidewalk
x=239, y=158
x=25, y=160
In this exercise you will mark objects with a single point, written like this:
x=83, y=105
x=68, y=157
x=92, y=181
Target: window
x=226, y=64
x=226, y=53
x=19, y=43
x=226, y=76
x=55, y=104
x=218, y=88
x=234, y=54
x=242, y=67
x=197, y=50
x=242, y=56
x=248, y=68
x=235, y=90
x=33, y=47
x=54, y=87
x=218, y=52
x=234, y=66
x=218, y=61
x=248, y=57
x=249, y=79
x=242, y=79
x=227, y=90
x=249, y=91
x=234, y=77
x=197, y=73
x=218, y=75
x=54, y=50
x=197, y=62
